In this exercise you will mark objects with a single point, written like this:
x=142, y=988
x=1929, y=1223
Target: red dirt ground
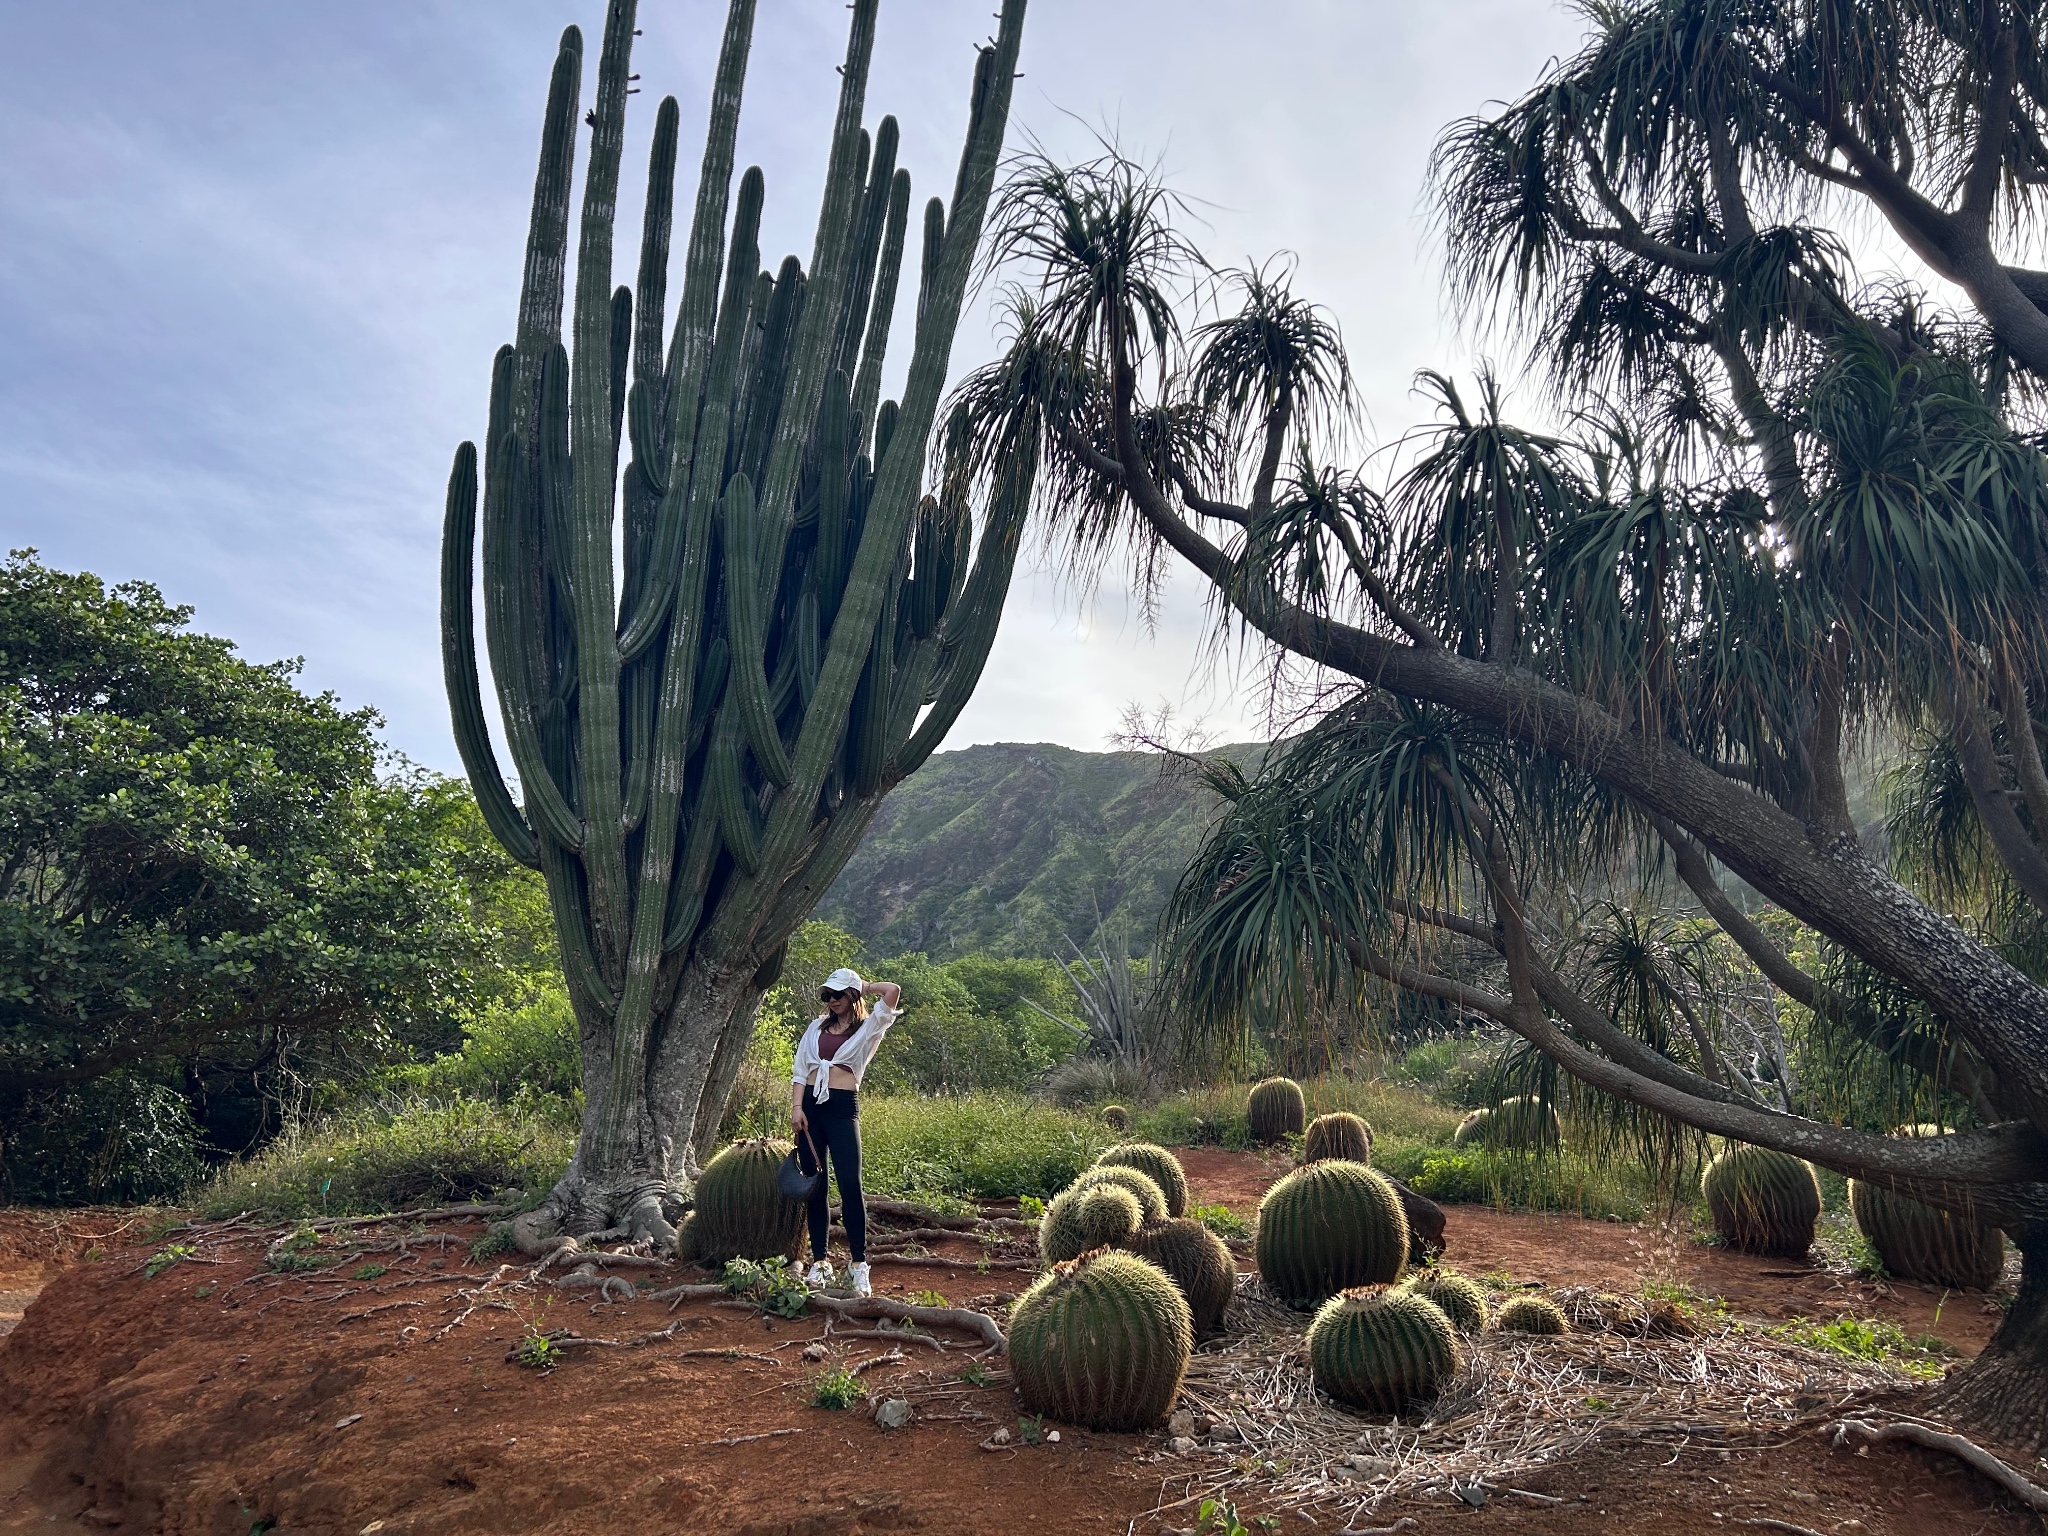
x=131, y=1404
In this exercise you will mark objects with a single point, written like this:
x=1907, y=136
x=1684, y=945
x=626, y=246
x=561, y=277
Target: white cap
x=844, y=980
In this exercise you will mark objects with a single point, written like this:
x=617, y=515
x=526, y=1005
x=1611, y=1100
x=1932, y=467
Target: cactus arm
x=746, y=627
x=656, y=229
x=897, y=477
x=572, y=932
x=866, y=248
x=458, y=665
x=972, y=619
x=619, y=354
x=593, y=487
x=875, y=345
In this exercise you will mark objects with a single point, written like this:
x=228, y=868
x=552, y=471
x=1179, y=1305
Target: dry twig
x=2029, y=1493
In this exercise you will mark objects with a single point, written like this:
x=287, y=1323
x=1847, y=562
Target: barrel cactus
x=1917, y=1241
x=1522, y=1123
x=1762, y=1201
x=1531, y=1314
x=1337, y=1135
x=1276, y=1110
x=1328, y=1227
x=1116, y=1117
x=1080, y=1219
x=740, y=1214
x=1102, y=1342
x=1462, y=1300
x=1146, y=1191
x=1382, y=1349
x=1197, y=1261
x=1158, y=1165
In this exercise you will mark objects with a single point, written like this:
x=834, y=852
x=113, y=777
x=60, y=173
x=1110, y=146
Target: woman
x=824, y=1109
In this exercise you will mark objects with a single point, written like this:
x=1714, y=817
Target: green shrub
x=118, y=1139
x=387, y=1159
x=1517, y=1181
x=523, y=1052
x=982, y=1145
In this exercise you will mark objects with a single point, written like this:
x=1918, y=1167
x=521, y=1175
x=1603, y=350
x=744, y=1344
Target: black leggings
x=835, y=1127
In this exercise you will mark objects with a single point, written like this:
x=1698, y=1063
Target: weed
x=296, y=1263
x=1031, y=1428
x=836, y=1389
x=163, y=1225
x=1220, y=1220
x=94, y=1254
x=164, y=1258
x=201, y=1292
x=778, y=1288
x=494, y=1242
x=1031, y=1207
x=976, y=1374
x=927, y=1299
x=537, y=1351
x=371, y=1272
x=1598, y=1404
x=1219, y=1517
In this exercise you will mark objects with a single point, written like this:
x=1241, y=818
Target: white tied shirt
x=815, y=1072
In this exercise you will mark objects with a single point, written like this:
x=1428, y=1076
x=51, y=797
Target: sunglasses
x=826, y=994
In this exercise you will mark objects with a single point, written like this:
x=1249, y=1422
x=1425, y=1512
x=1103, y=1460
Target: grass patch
x=1221, y=1220
x=369, y=1161
x=1515, y=1181
x=982, y=1145
x=1870, y=1338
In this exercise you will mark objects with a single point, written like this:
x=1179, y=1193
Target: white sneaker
x=819, y=1275
x=863, y=1282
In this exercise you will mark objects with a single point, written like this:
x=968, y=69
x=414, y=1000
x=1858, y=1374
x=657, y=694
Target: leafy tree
x=1791, y=511
x=208, y=893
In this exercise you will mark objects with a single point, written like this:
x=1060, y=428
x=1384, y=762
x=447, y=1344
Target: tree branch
x=2020, y=854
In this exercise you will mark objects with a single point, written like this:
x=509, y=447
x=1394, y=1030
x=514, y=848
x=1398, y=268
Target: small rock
x=893, y=1413
x=1369, y=1466
x=371, y=1529
x=1181, y=1445
x=1224, y=1430
x=1181, y=1426
x=814, y=1351
x=1052, y=1437
x=1474, y=1494
x=344, y=1423
x=1000, y=1437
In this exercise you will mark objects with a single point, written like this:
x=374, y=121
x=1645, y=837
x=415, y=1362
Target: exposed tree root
x=980, y=1324
x=939, y=1261
x=893, y=1357
x=571, y=1340
x=678, y=1294
x=604, y=1284
x=890, y=1335
x=2031, y=1494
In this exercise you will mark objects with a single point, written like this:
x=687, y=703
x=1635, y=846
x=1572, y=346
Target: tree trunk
x=636, y=1186
x=2003, y=1393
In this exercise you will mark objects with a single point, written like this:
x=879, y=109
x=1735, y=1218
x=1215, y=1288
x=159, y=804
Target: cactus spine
x=1327, y=1228
x=1917, y=1241
x=1158, y=1165
x=1276, y=1110
x=1079, y=1219
x=1531, y=1314
x=1198, y=1263
x=1460, y=1299
x=1380, y=1349
x=701, y=736
x=740, y=1214
x=1150, y=1197
x=1762, y=1201
x=1102, y=1342
x=1337, y=1135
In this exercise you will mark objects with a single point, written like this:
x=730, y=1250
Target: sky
x=255, y=258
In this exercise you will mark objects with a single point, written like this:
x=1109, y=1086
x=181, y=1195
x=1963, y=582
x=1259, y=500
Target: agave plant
x=702, y=731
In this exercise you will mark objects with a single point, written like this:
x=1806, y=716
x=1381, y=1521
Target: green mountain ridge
x=1016, y=848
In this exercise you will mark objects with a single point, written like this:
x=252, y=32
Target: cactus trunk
x=702, y=731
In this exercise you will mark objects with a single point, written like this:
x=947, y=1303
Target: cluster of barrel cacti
x=1340, y=1135
x=1276, y=1110
x=1523, y=1123
x=1382, y=1348
x=1328, y=1227
x=1101, y=1341
x=1143, y=1188
x=1763, y=1202
x=1196, y=1260
x=1917, y=1241
x=739, y=1212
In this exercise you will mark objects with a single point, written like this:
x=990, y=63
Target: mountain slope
x=1014, y=848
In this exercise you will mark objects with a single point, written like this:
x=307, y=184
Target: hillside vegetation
x=1013, y=849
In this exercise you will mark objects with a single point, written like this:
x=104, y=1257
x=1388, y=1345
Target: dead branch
x=766, y=1434
x=678, y=1294
x=980, y=1324
x=2031, y=1494
x=568, y=1340
x=382, y=1306
x=724, y=1354
x=940, y=1261
x=893, y=1357
x=1782, y=1525
x=1405, y=1523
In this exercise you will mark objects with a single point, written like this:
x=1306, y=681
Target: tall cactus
x=702, y=730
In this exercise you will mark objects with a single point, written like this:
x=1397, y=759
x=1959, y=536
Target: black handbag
x=791, y=1179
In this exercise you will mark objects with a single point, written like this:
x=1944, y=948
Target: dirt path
x=218, y=1396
